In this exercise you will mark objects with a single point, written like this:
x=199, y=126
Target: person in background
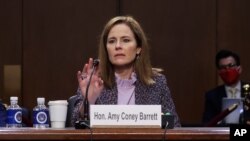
x=229, y=70
x=124, y=75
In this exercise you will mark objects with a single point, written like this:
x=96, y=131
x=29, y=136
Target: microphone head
x=96, y=62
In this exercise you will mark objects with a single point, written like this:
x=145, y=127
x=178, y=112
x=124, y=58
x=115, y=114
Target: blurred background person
x=229, y=69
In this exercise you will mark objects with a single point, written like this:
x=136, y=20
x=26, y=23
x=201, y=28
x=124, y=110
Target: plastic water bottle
x=40, y=114
x=14, y=114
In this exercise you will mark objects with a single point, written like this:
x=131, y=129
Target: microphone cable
x=165, y=131
x=86, y=123
x=90, y=129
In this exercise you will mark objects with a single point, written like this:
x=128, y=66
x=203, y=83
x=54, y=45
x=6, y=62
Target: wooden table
x=183, y=133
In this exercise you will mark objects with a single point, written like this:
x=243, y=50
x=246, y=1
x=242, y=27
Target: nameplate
x=127, y=116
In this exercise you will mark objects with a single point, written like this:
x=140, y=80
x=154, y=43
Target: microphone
x=86, y=101
x=85, y=123
x=96, y=62
x=221, y=115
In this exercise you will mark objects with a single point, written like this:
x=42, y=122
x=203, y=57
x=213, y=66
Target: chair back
x=71, y=105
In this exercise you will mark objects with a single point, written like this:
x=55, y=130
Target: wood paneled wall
x=59, y=37
x=51, y=40
x=10, y=45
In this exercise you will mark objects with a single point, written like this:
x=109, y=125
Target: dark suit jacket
x=213, y=102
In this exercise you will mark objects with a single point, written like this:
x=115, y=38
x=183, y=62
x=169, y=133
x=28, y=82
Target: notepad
x=233, y=117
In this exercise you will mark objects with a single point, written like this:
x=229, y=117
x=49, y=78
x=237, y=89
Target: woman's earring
x=137, y=56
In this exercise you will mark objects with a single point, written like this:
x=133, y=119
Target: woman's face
x=121, y=46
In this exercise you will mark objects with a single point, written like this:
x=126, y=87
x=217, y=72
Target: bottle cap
x=40, y=99
x=13, y=98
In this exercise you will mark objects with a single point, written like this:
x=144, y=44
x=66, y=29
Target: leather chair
x=2, y=114
x=71, y=105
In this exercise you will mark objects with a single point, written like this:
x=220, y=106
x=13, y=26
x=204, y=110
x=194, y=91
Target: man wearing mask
x=229, y=70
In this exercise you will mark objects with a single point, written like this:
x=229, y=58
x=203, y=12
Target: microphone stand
x=86, y=120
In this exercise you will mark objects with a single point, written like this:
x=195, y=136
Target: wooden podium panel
x=184, y=133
